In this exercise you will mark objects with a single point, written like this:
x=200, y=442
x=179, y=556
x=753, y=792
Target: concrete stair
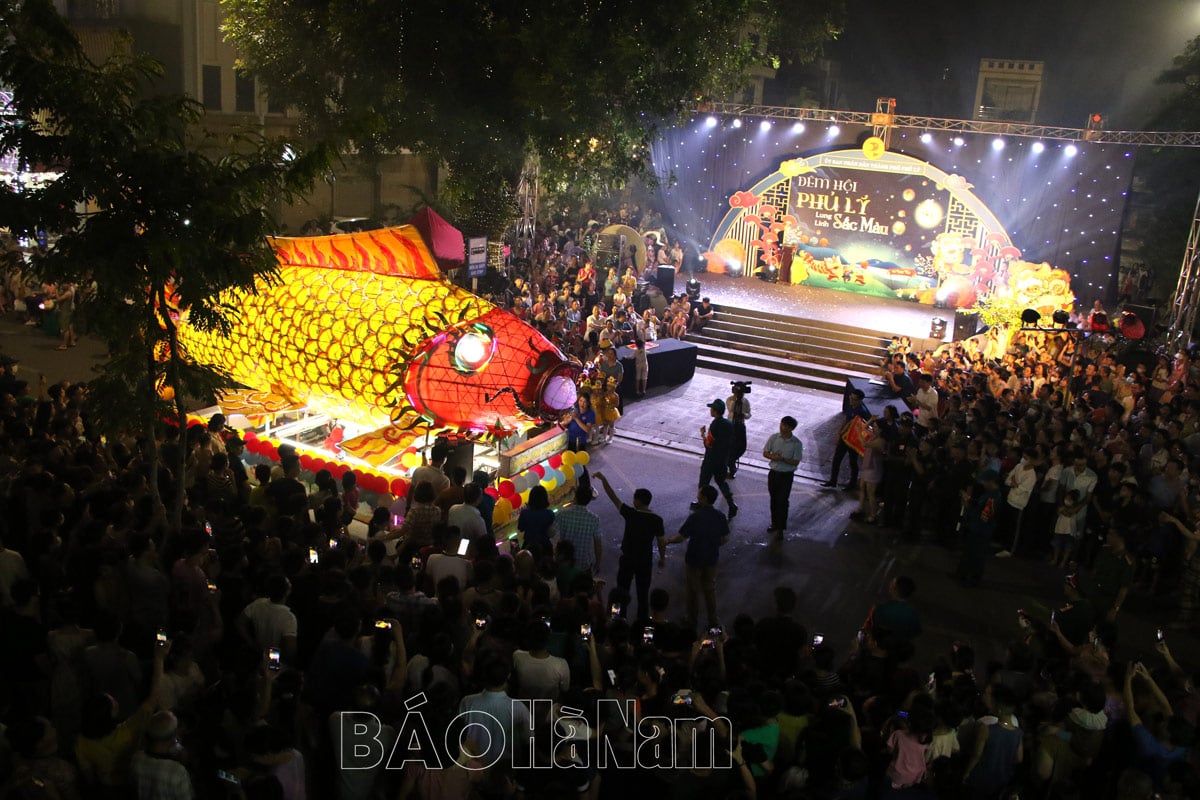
x=802, y=352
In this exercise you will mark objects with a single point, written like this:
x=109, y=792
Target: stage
x=894, y=317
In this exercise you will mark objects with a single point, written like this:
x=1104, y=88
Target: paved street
x=837, y=567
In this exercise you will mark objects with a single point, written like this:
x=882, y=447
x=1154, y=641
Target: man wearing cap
x=784, y=451
x=854, y=408
x=718, y=441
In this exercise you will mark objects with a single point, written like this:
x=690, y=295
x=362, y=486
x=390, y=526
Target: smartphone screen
x=817, y=639
x=416, y=563
x=161, y=636
x=585, y=631
x=227, y=777
x=615, y=610
x=383, y=625
x=648, y=634
x=1159, y=636
x=480, y=623
x=612, y=677
x=333, y=544
x=463, y=545
x=312, y=555
x=273, y=658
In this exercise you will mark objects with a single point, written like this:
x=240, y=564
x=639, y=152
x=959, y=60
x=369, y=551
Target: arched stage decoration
x=880, y=223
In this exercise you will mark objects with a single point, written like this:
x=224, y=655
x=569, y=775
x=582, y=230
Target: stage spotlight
x=765, y=125
x=1037, y=147
x=834, y=130
x=737, y=122
x=797, y=127
x=693, y=289
x=1061, y=317
x=1031, y=316
x=958, y=141
x=711, y=122
x=997, y=144
x=1070, y=150
x=926, y=137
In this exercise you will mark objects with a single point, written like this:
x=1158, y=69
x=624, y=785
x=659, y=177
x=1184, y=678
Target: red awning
x=443, y=239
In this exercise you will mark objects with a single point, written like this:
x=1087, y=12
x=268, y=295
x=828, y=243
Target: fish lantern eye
x=474, y=349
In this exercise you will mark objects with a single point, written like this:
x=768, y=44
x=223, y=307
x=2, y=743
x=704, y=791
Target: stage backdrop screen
x=947, y=218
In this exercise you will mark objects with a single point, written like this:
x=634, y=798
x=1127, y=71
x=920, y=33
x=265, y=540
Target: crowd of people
x=262, y=651
x=584, y=298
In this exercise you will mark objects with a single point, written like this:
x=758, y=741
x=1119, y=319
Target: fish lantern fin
x=383, y=445
x=398, y=251
x=253, y=403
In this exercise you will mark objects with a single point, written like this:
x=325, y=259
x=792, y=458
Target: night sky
x=1100, y=55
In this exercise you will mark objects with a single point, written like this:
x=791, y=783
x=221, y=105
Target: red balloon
x=516, y=501
x=556, y=460
x=319, y=464
x=306, y=462
x=507, y=488
x=492, y=492
x=539, y=470
x=249, y=436
x=399, y=487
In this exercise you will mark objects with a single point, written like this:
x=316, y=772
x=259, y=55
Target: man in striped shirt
x=579, y=526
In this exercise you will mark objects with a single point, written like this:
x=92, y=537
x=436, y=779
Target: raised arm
x=608, y=490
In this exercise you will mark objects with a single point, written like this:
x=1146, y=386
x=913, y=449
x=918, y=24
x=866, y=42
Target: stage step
x=800, y=352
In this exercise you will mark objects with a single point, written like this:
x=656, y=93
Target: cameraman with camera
x=738, y=409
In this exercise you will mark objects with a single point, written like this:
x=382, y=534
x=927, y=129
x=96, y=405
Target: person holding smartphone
x=465, y=515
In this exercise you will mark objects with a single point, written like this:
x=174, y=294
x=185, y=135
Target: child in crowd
x=641, y=366
x=1065, y=533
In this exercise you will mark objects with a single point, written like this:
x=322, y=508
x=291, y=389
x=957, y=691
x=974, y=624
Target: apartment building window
x=211, y=88
x=244, y=93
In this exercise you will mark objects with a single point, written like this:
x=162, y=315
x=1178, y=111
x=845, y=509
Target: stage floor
x=894, y=317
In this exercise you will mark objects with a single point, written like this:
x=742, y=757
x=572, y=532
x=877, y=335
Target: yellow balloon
x=409, y=460
x=568, y=457
x=568, y=470
x=583, y=457
x=524, y=496
x=503, y=511
x=549, y=484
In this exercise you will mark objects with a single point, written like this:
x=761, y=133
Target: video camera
x=741, y=386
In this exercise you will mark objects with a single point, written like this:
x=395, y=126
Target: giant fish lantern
x=364, y=328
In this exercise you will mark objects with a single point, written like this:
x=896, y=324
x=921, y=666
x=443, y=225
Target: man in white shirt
x=447, y=562
x=539, y=675
x=267, y=621
x=465, y=515
x=1020, y=481
x=784, y=450
x=927, y=400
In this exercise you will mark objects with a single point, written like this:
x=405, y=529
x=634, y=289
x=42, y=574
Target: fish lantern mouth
x=557, y=394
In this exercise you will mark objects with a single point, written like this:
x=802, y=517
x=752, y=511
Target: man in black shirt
x=643, y=528
x=718, y=444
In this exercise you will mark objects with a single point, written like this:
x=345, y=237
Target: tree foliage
x=480, y=84
x=140, y=207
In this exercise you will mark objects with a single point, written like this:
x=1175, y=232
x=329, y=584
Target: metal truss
x=1018, y=129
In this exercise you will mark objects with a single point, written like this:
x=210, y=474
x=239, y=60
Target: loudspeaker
x=460, y=453
x=666, y=280
x=965, y=326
